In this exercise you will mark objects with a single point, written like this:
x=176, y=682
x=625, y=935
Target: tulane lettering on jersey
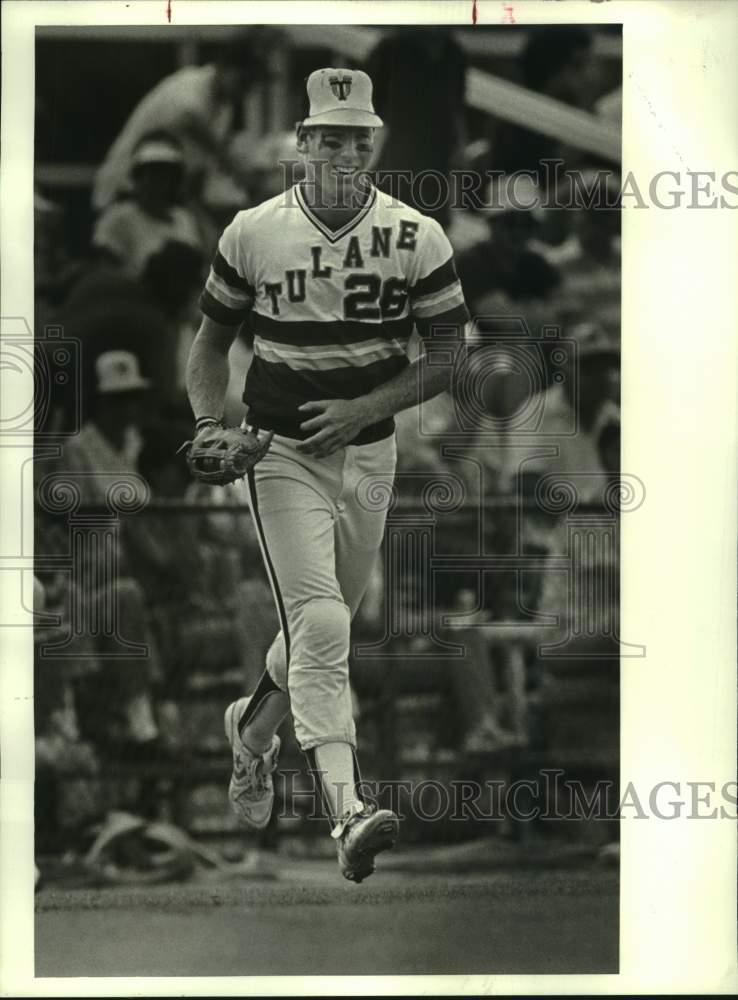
x=331, y=312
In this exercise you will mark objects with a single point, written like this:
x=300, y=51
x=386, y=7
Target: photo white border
x=679, y=364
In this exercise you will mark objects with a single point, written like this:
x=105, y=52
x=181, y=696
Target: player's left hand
x=337, y=422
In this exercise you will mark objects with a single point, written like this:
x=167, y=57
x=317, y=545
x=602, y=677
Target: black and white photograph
x=328, y=497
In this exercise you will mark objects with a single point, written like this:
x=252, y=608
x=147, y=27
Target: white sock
x=335, y=763
x=266, y=720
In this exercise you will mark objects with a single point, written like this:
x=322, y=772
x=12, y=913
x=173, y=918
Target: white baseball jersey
x=332, y=312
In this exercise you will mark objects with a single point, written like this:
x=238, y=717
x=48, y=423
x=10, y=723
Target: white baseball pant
x=320, y=523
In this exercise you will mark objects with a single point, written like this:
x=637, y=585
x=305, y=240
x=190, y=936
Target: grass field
x=309, y=921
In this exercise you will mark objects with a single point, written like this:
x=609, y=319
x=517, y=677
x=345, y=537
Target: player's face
x=338, y=158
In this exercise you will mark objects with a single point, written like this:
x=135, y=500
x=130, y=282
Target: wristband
x=202, y=422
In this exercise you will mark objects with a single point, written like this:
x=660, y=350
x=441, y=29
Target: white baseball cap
x=341, y=97
x=118, y=371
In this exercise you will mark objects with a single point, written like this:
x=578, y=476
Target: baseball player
x=334, y=276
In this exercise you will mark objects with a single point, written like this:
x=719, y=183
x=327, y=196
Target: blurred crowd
x=188, y=588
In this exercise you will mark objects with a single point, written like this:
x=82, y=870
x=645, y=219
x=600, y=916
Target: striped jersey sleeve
x=228, y=294
x=435, y=291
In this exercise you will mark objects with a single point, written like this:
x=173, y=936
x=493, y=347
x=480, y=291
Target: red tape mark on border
x=169, y=11
x=474, y=11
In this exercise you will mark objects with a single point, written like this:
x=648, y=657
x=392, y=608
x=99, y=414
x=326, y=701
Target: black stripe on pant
x=266, y=685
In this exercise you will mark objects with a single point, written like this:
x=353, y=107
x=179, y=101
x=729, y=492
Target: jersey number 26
x=369, y=298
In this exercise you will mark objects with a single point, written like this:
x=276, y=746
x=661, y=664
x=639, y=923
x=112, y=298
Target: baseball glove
x=221, y=455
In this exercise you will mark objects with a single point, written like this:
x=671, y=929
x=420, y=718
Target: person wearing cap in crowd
x=132, y=230
x=199, y=106
x=334, y=276
x=151, y=316
x=110, y=440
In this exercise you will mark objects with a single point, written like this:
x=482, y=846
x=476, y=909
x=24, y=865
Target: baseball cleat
x=361, y=835
x=251, y=789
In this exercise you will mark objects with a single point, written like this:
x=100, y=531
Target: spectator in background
x=173, y=582
x=504, y=263
x=54, y=269
x=118, y=704
x=557, y=61
x=229, y=549
x=67, y=793
x=205, y=580
x=110, y=441
x=107, y=310
x=574, y=414
x=197, y=104
x=566, y=411
x=419, y=76
x=270, y=163
x=600, y=556
x=472, y=680
x=131, y=231
x=594, y=223
x=589, y=260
